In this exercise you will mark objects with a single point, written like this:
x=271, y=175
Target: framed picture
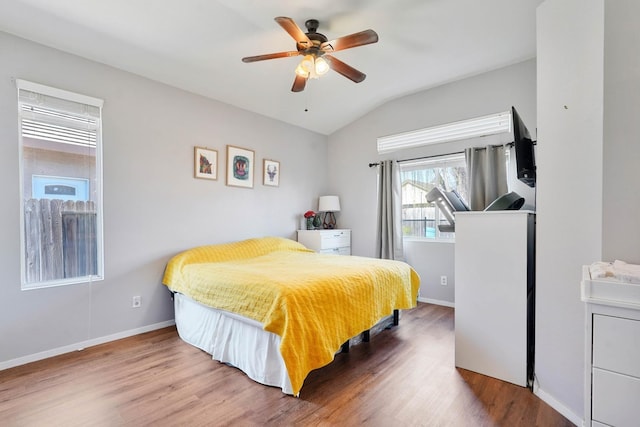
x=205, y=163
x=271, y=173
x=240, y=167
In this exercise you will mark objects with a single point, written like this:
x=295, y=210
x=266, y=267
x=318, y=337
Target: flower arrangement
x=313, y=220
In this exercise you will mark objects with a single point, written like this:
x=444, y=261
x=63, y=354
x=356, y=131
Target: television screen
x=525, y=158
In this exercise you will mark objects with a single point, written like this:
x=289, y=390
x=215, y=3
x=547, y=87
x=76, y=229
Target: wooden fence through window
x=60, y=239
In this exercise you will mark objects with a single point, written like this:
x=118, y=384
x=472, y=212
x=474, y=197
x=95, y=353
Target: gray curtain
x=487, y=175
x=389, y=235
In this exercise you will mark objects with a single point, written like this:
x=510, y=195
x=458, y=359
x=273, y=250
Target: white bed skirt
x=240, y=341
x=232, y=339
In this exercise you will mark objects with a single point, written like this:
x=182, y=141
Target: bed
x=277, y=310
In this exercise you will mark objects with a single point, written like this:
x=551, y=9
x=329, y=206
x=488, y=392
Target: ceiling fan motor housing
x=316, y=38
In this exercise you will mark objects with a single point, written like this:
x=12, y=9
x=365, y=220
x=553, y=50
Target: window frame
x=23, y=85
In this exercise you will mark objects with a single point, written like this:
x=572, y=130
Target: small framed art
x=240, y=167
x=205, y=163
x=271, y=173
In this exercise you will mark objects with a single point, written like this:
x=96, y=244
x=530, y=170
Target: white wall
x=433, y=260
x=588, y=150
x=354, y=146
x=569, y=219
x=153, y=205
x=621, y=200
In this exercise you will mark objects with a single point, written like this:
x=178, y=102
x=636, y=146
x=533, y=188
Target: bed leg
x=396, y=317
x=345, y=347
x=366, y=336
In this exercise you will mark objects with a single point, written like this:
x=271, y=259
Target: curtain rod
x=420, y=158
x=508, y=144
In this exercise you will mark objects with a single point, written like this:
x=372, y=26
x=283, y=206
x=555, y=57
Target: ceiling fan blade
x=270, y=56
x=299, y=83
x=294, y=31
x=352, y=40
x=344, y=69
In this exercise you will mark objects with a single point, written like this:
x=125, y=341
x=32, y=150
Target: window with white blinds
x=61, y=186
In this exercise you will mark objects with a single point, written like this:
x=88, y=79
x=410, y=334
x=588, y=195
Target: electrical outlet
x=443, y=280
x=136, y=302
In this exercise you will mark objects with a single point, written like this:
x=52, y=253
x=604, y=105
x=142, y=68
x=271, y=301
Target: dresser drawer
x=345, y=250
x=335, y=239
x=616, y=344
x=327, y=241
x=615, y=398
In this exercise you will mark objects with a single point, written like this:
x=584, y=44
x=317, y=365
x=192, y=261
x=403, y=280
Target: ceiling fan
x=315, y=49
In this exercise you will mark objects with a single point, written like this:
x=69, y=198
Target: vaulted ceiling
x=197, y=45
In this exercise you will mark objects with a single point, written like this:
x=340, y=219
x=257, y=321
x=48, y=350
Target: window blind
x=50, y=118
x=464, y=129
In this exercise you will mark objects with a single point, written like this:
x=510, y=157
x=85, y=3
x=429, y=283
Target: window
x=419, y=218
x=61, y=186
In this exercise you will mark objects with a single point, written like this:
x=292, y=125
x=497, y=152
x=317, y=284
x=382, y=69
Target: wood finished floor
x=404, y=377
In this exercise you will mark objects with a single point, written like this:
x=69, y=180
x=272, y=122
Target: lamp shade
x=329, y=204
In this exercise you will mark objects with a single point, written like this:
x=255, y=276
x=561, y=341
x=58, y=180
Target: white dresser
x=612, y=352
x=336, y=242
x=494, y=293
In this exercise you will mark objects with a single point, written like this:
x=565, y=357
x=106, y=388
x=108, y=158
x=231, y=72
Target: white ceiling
x=197, y=45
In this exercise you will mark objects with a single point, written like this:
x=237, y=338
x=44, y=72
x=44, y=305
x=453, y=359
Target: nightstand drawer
x=335, y=239
x=345, y=250
x=327, y=241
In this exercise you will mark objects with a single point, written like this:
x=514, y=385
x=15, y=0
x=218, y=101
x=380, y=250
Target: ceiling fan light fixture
x=321, y=66
x=312, y=66
x=301, y=71
x=307, y=63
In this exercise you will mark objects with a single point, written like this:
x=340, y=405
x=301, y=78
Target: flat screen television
x=525, y=157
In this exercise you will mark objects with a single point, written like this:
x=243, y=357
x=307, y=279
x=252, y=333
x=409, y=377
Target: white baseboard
x=436, y=302
x=82, y=345
x=558, y=406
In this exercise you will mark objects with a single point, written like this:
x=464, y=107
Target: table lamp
x=329, y=205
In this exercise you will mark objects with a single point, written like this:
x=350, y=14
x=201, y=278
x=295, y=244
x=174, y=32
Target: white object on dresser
x=326, y=241
x=494, y=291
x=612, y=352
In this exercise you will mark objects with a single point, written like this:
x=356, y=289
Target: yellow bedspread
x=314, y=302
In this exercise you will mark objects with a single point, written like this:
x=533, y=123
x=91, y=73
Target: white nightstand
x=336, y=242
